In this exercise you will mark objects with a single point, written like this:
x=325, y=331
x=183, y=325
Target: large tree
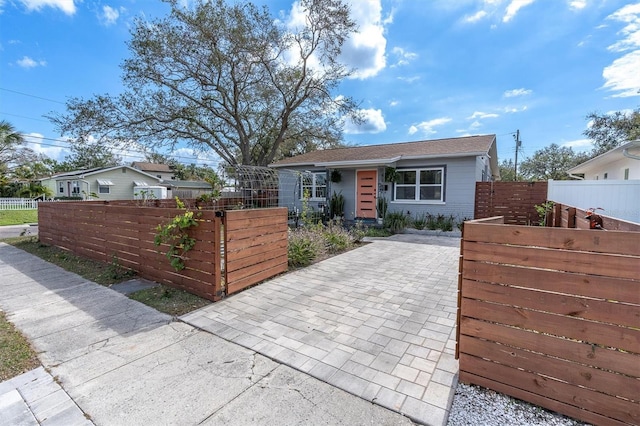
x=229, y=78
x=551, y=162
x=608, y=131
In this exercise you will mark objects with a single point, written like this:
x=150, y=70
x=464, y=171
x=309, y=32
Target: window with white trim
x=104, y=186
x=420, y=185
x=61, y=187
x=75, y=187
x=314, y=185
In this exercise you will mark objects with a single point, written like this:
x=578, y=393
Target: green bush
x=420, y=222
x=395, y=222
x=336, y=237
x=305, y=245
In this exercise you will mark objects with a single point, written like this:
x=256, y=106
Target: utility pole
x=518, y=143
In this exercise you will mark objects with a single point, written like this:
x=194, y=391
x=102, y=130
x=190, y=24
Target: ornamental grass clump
x=305, y=246
x=336, y=237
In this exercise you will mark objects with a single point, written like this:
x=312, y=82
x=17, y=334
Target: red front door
x=366, y=187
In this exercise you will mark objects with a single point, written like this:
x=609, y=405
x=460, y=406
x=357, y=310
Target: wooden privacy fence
x=562, y=216
x=552, y=316
x=112, y=232
x=514, y=201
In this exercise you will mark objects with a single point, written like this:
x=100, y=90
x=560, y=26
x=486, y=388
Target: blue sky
x=426, y=69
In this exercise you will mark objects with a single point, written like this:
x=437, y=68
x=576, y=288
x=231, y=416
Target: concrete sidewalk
x=123, y=363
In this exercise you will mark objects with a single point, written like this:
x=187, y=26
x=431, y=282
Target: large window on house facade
x=75, y=187
x=420, y=185
x=314, y=185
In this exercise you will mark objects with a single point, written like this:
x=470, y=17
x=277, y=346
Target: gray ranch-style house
x=424, y=177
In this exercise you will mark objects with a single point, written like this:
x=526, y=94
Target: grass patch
x=99, y=272
x=169, y=300
x=18, y=217
x=165, y=299
x=378, y=232
x=16, y=354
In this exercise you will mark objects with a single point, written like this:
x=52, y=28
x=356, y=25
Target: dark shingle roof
x=151, y=167
x=469, y=145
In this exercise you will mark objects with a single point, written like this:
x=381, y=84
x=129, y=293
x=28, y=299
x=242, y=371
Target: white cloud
x=512, y=110
x=394, y=103
x=35, y=142
x=630, y=15
x=404, y=57
x=427, y=127
x=475, y=17
x=622, y=75
x=577, y=4
x=373, y=123
x=27, y=62
x=482, y=115
x=517, y=92
x=514, y=7
x=409, y=79
x=67, y=6
x=109, y=15
x=475, y=125
x=578, y=144
x=365, y=49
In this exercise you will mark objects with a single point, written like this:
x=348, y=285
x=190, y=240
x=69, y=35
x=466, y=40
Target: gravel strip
x=474, y=405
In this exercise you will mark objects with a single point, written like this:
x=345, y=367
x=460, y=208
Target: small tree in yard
x=228, y=78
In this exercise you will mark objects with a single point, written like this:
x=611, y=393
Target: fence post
x=571, y=218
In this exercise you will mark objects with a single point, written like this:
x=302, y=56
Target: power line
x=130, y=152
x=31, y=96
x=22, y=116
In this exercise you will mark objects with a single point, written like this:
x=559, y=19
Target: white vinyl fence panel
x=18, y=204
x=618, y=198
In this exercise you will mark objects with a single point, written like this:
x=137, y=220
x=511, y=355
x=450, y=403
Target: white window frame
x=101, y=189
x=313, y=187
x=417, y=185
x=75, y=187
x=61, y=187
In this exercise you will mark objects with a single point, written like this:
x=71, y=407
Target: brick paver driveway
x=378, y=321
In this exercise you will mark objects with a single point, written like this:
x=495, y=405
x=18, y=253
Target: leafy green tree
x=507, y=171
x=228, y=78
x=607, y=131
x=551, y=162
x=90, y=155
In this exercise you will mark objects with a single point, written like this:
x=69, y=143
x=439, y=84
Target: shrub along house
x=432, y=176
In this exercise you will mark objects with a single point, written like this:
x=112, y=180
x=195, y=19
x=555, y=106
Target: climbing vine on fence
x=176, y=235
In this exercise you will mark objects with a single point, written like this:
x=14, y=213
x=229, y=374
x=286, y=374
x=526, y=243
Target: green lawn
x=16, y=354
x=18, y=217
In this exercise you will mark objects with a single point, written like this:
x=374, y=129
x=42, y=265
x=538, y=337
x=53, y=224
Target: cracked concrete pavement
x=109, y=360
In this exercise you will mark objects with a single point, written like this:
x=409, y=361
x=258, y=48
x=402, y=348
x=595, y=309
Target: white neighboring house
x=110, y=183
x=611, y=182
x=621, y=163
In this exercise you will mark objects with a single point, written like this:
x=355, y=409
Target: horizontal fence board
x=242, y=283
x=603, y=404
x=253, y=269
x=617, y=242
x=259, y=242
x=579, y=307
x=575, y=374
x=543, y=401
x=247, y=251
x=572, y=350
x=269, y=229
x=612, y=265
x=248, y=261
x=571, y=328
x=595, y=286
